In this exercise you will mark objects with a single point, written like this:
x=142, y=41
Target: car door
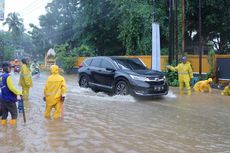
x=106, y=73
x=95, y=69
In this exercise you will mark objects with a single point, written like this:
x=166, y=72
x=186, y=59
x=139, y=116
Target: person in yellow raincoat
x=203, y=86
x=226, y=91
x=54, y=93
x=25, y=80
x=185, y=74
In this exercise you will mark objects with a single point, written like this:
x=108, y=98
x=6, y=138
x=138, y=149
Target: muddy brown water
x=98, y=123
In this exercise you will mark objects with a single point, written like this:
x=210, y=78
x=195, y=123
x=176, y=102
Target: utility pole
x=176, y=27
x=156, y=54
x=171, y=35
x=200, y=41
x=183, y=27
x=173, y=30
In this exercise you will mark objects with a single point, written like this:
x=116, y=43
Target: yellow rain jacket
x=226, y=91
x=54, y=90
x=25, y=80
x=185, y=74
x=203, y=86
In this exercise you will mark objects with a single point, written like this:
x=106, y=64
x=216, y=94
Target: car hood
x=148, y=73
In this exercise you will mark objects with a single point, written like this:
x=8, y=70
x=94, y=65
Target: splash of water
x=171, y=94
x=101, y=95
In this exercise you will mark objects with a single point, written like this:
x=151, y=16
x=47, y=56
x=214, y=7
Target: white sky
x=29, y=10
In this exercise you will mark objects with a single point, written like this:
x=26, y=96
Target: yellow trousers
x=57, y=111
x=187, y=85
x=25, y=93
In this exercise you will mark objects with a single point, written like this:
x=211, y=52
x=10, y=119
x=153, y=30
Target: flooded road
x=98, y=123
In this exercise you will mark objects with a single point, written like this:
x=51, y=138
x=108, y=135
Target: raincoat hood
x=54, y=69
x=210, y=80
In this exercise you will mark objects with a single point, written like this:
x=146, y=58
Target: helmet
x=16, y=60
x=184, y=58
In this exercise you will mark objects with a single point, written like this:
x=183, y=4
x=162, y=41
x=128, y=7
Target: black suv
x=122, y=76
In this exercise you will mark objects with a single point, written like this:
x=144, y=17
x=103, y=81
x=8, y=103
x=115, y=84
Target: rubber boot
x=13, y=122
x=4, y=122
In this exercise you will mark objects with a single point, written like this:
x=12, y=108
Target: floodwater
x=98, y=123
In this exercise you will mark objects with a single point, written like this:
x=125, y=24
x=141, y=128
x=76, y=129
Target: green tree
x=119, y=27
x=39, y=40
x=15, y=24
x=66, y=57
x=6, y=46
x=215, y=22
x=135, y=25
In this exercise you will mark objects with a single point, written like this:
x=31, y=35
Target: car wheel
x=121, y=88
x=84, y=82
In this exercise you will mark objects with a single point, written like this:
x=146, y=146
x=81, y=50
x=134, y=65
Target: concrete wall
x=193, y=59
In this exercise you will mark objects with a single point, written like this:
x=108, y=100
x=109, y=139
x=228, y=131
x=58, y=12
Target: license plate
x=158, y=88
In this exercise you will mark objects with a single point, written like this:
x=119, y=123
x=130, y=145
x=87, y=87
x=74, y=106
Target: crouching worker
x=8, y=95
x=226, y=91
x=54, y=93
x=203, y=86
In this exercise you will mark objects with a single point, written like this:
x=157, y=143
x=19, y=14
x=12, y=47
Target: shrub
x=172, y=78
x=67, y=57
x=84, y=51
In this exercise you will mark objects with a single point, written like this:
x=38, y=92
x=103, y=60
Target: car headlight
x=139, y=78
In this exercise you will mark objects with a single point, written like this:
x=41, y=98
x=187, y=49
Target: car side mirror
x=110, y=69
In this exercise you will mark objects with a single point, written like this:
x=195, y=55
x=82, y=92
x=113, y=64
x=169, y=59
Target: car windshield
x=131, y=64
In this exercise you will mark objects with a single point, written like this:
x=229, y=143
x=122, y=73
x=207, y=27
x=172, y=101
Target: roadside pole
x=200, y=42
x=171, y=32
x=156, y=55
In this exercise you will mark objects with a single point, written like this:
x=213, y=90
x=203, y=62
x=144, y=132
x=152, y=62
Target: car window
x=87, y=62
x=106, y=64
x=131, y=64
x=95, y=62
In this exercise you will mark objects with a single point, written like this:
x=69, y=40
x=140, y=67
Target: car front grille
x=155, y=83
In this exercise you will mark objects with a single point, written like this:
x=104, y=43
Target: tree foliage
x=15, y=23
x=15, y=38
x=6, y=46
x=67, y=57
x=215, y=22
x=122, y=27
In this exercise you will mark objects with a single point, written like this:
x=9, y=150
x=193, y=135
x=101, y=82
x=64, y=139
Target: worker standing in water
x=34, y=67
x=8, y=96
x=25, y=80
x=54, y=93
x=185, y=74
x=203, y=86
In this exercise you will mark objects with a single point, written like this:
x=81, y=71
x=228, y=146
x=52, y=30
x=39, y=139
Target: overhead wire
x=32, y=9
x=33, y=3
